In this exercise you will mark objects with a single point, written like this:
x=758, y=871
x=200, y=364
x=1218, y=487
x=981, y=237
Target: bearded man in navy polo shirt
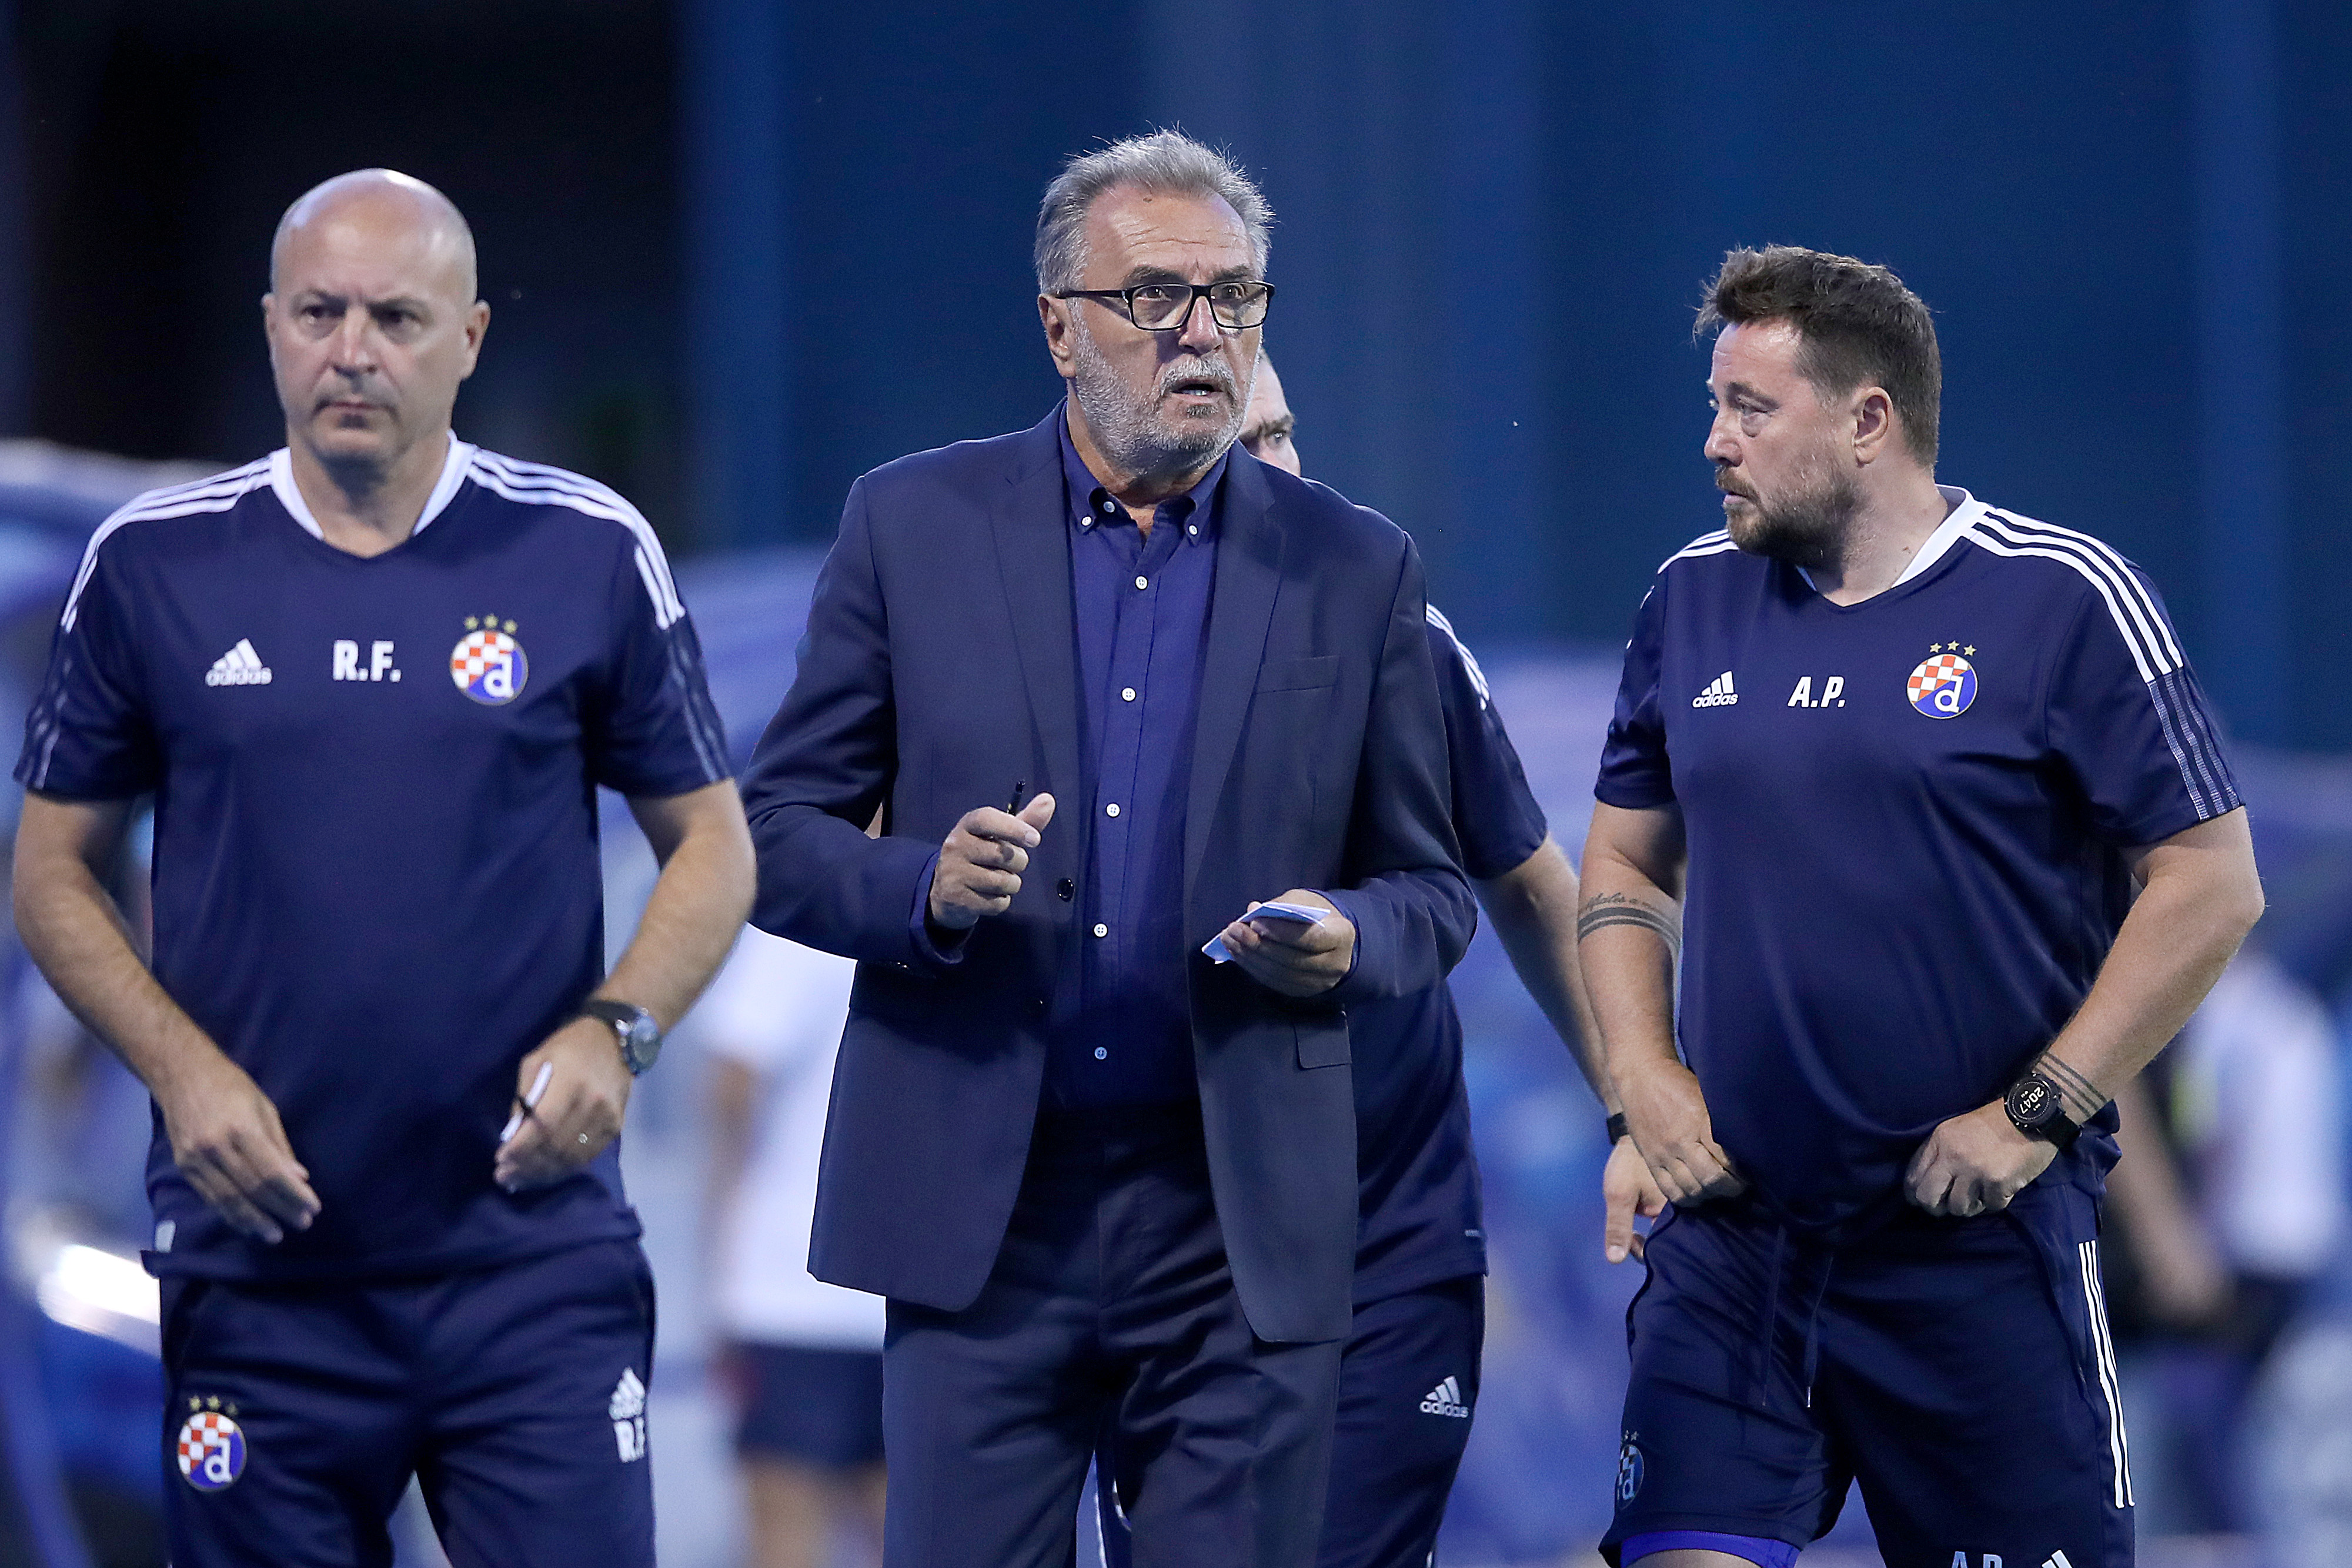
x=1897, y=761
x=371, y=682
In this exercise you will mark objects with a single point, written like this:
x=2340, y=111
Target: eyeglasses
x=1236, y=304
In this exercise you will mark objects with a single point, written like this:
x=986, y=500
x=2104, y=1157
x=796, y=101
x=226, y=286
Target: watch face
x=643, y=1042
x=2033, y=1099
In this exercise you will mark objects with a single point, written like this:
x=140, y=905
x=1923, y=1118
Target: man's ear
x=1873, y=424
x=1054, y=314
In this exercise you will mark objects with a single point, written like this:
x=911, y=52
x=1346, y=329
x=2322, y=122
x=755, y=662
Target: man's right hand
x=1667, y=1116
x=981, y=862
x=1627, y=1190
x=228, y=1142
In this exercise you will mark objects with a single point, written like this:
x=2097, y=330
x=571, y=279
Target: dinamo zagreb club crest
x=487, y=664
x=210, y=1450
x=1944, y=686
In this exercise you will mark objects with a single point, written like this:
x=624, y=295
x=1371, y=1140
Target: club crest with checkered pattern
x=210, y=1450
x=487, y=664
x=1943, y=685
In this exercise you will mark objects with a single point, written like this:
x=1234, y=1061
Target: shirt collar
x=1966, y=511
x=445, y=489
x=1087, y=496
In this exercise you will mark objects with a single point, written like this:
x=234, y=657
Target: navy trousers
x=1110, y=1313
x=1960, y=1370
x=515, y=1394
x=1408, y=1383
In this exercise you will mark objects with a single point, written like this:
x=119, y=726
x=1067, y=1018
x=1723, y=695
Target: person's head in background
x=1268, y=427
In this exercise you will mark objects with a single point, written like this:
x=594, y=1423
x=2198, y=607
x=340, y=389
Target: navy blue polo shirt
x=376, y=881
x=1417, y=1175
x=1124, y=1037
x=1905, y=820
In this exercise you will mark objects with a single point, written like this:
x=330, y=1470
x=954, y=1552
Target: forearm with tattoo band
x=1606, y=909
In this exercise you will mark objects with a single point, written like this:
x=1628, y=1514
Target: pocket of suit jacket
x=1323, y=1041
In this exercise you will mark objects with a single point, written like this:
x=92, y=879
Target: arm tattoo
x=1621, y=909
x=2082, y=1098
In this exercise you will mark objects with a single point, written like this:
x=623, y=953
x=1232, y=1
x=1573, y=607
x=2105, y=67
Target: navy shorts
x=814, y=1406
x=515, y=1394
x=1960, y=1370
x=1408, y=1383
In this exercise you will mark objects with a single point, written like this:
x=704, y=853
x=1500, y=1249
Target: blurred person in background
x=803, y=1359
x=1107, y=1181
x=388, y=1067
x=1899, y=758
x=2226, y=1206
x=1408, y=1374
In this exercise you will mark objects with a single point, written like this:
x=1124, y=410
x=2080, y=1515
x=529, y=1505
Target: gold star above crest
x=472, y=621
x=1969, y=649
x=1935, y=647
x=195, y=1402
x=212, y=1402
x=510, y=626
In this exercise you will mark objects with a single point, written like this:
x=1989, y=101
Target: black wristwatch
x=1617, y=1127
x=640, y=1031
x=2036, y=1110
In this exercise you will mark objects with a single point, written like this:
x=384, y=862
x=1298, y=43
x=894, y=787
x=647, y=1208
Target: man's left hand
x=1294, y=959
x=577, y=1114
x=1975, y=1164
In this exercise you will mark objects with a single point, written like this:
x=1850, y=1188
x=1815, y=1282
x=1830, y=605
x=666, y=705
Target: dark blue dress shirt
x=1123, y=1036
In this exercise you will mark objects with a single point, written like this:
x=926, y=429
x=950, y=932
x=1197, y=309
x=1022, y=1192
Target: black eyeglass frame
x=1196, y=292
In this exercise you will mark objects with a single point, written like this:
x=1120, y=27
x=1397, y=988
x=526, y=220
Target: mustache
x=1723, y=483
x=1213, y=370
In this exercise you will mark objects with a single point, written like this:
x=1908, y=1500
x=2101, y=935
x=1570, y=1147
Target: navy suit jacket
x=939, y=670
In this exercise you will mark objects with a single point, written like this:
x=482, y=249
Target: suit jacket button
x=1066, y=889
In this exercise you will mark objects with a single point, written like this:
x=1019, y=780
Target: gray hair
x=1166, y=162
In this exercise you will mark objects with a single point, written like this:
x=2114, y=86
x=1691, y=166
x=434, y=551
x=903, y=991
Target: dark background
x=739, y=251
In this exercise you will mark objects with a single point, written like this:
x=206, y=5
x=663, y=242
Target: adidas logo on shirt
x=626, y=1410
x=240, y=666
x=1718, y=693
x=1446, y=1399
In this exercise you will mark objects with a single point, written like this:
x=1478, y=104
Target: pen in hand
x=530, y=1101
x=1012, y=807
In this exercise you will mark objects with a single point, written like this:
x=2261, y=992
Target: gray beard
x=1128, y=428
x=1808, y=529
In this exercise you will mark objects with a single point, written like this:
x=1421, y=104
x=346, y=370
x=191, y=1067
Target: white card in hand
x=1305, y=914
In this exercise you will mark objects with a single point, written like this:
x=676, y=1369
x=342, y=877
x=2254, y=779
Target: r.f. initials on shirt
x=380, y=666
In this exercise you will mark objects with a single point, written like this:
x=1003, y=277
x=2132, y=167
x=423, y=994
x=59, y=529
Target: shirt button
x=1111, y=810
x=1192, y=528
x=1142, y=583
x=1127, y=693
x=1109, y=506
x=1100, y=929
x=1100, y=1054
x=1066, y=889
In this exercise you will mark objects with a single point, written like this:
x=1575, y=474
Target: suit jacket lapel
x=1032, y=561
x=1250, y=545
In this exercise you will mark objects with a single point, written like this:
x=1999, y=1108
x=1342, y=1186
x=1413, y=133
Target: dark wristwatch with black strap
x=640, y=1031
x=2037, y=1110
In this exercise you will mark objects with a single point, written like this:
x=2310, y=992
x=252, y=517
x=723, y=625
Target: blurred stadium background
x=739, y=251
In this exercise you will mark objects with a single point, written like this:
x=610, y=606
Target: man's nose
x=1719, y=447
x=354, y=346
x=1201, y=330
